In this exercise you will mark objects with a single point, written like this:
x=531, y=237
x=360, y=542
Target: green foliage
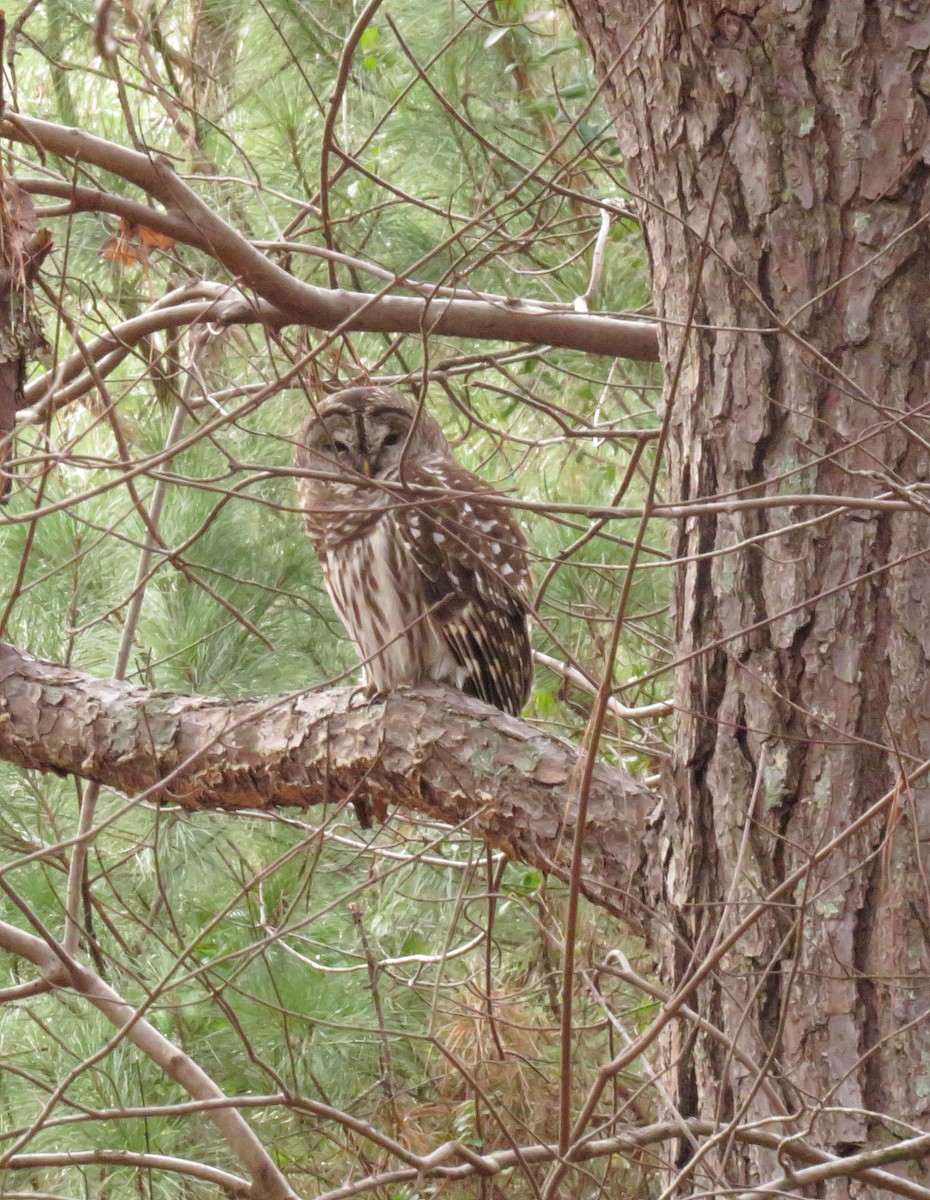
x=236, y=935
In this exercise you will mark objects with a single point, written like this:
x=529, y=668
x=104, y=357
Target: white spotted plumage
x=425, y=566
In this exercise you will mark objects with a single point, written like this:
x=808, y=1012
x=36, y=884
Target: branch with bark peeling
x=427, y=749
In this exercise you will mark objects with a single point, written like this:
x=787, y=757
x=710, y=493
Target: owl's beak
x=365, y=467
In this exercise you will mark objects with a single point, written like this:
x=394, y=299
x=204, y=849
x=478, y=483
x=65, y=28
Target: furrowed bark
x=798, y=136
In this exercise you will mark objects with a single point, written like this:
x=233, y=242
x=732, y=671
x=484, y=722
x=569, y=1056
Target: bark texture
x=780, y=151
x=23, y=249
x=430, y=749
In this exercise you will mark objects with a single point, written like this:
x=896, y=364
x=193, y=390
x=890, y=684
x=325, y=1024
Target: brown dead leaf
x=151, y=237
x=130, y=245
x=38, y=246
x=118, y=249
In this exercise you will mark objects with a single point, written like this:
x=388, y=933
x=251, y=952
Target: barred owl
x=429, y=578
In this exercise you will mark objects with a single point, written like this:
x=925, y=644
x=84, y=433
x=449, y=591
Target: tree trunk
x=780, y=152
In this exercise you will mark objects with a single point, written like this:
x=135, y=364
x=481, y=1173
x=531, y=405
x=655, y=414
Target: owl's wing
x=471, y=555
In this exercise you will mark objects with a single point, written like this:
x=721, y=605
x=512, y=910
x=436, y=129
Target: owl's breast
x=377, y=590
x=347, y=512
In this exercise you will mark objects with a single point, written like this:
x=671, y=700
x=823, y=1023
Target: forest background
x=247, y=205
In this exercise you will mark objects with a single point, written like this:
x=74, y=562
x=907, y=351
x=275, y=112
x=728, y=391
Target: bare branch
x=64, y=971
x=661, y=709
x=129, y=1158
x=445, y=1165
x=336, y=309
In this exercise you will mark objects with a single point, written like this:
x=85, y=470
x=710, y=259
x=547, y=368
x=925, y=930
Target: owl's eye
x=340, y=447
x=391, y=440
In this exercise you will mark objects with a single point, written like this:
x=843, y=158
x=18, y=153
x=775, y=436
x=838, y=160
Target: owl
x=425, y=567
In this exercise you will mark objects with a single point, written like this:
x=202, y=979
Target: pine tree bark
x=428, y=749
x=780, y=154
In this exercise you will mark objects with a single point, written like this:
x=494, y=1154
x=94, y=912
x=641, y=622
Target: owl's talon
x=363, y=695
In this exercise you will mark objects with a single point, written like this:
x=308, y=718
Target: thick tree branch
x=428, y=749
x=78, y=198
x=332, y=309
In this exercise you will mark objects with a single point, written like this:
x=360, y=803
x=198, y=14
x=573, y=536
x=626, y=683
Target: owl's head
x=364, y=432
